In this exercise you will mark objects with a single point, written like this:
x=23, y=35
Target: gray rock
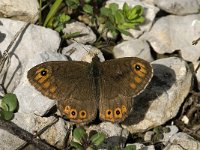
x=55, y=134
x=148, y=136
x=150, y=12
x=176, y=33
x=19, y=9
x=86, y=33
x=133, y=48
x=31, y=100
x=174, y=147
x=167, y=136
x=35, y=39
x=198, y=71
x=177, y=7
x=81, y=52
x=163, y=97
x=182, y=141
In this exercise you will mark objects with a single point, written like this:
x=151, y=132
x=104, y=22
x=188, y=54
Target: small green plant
x=59, y=21
x=119, y=20
x=129, y=147
x=82, y=141
x=159, y=133
x=72, y=4
x=9, y=104
x=56, y=21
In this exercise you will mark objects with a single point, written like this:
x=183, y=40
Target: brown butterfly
x=82, y=88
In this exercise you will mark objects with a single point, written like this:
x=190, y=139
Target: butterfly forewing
x=120, y=80
x=71, y=84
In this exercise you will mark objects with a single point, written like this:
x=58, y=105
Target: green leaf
x=125, y=8
x=72, y=4
x=157, y=129
x=114, y=7
x=97, y=139
x=105, y=11
x=135, y=12
x=64, y=18
x=11, y=101
x=125, y=32
x=140, y=10
x=52, y=11
x=72, y=35
x=138, y=20
x=59, y=28
x=4, y=106
x=119, y=18
x=79, y=134
x=7, y=115
x=76, y=145
x=88, y=9
x=130, y=147
x=126, y=26
x=87, y=1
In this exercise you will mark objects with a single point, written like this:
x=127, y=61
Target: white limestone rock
x=182, y=141
x=81, y=52
x=86, y=34
x=133, y=48
x=19, y=9
x=167, y=136
x=55, y=134
x=177, y=7
x=176, y=33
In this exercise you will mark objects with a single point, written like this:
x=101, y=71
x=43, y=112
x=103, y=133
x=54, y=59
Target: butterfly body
x=82, y=88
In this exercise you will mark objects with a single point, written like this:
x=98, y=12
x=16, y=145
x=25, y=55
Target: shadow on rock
x=163, y=78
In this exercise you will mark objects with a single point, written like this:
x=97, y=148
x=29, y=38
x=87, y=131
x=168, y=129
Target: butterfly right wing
x=70, y=83
x=121, y=80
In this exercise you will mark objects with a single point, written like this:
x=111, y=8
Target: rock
x=185, y=119
x=33, y=124
x=133, y=48
x=182, y=141
x=163, y=97
x=56, y=134
x=168, y=135
x=183, y=7
x=148, y=136
x=150, y=12
x=115, y=134
x=34, y=102
x=80, y=52
x=19, y=9
x=86, y=34
x=195, y=64
x=176, y=33
x=9, y=141
x=33, y=40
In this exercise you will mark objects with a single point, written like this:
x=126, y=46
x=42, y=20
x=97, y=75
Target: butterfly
x=83, y=89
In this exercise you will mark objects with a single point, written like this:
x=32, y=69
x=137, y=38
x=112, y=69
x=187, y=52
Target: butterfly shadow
x=163, y=78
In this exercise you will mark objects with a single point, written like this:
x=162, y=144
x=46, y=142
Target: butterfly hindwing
x=120, y=80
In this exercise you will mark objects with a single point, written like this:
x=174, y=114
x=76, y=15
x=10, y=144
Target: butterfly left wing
x=120, y=80
x=70, y=83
